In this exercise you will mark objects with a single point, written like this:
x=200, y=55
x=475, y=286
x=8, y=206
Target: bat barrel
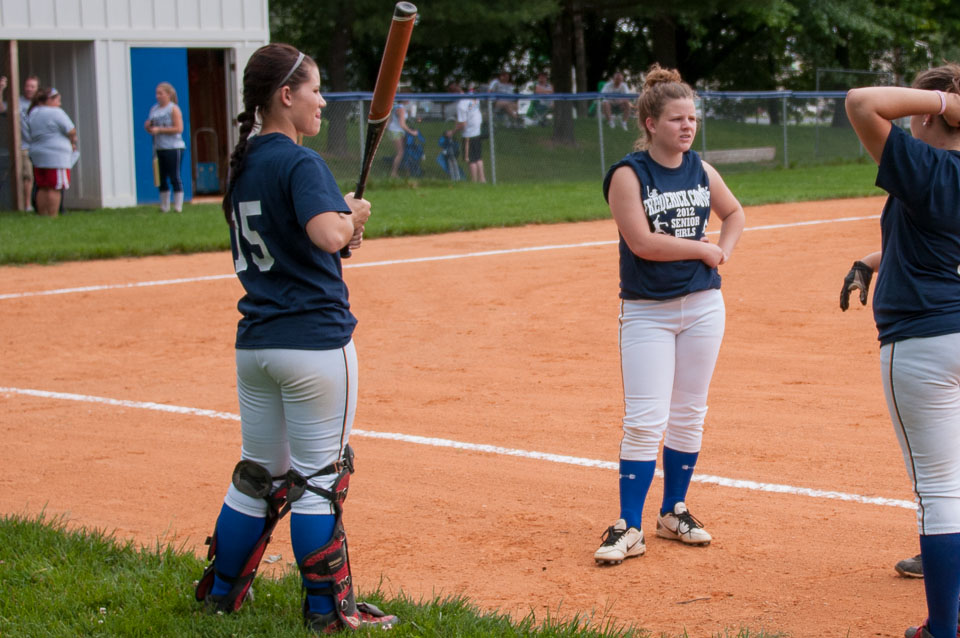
x=391, y=65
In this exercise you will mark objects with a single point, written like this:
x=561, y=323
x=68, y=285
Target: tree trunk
x=580, y=51
x=560, y=63
x=664, y=31
x=336, y=113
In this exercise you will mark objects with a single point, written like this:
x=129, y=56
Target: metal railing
x=569, y=137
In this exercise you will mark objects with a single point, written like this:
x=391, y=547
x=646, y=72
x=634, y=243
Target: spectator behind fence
x=470, y=121
x=30, y=86
x=503, y=84
x=538, y=109
x=397, y=129
x=53, y=141
x=165, y=124
x=616, y=108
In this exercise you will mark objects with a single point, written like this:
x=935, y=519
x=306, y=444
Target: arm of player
x=628, y=212
x=330, y=231
x=870, y=110
x=727, y=207
x=859, y=277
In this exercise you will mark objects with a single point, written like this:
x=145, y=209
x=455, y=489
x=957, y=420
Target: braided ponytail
x=246, y=120
x=269, y=68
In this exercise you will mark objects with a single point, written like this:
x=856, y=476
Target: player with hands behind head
x=859, y=277
x=296, y=361
x=916, y=305
x=671, y=311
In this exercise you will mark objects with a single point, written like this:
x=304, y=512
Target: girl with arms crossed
x=671, y=311
x=296, y=362
x=916, y=305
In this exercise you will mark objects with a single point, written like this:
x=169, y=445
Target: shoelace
x=689, y=519
x=612, y=535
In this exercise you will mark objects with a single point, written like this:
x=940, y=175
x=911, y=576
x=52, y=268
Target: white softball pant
x=668, y=350
x=296, y=411
x=921, y=382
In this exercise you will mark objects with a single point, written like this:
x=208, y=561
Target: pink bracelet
x=943, y=102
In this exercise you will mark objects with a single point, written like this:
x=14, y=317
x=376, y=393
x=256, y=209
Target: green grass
x=399, y=208
x=59, y=581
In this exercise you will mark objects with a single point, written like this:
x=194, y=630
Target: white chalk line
x=392, y=262
x=488, y=449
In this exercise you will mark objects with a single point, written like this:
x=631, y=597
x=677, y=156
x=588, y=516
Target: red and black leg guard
x=254, y=480
x=326, y=570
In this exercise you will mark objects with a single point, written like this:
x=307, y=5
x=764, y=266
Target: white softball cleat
x=680, y=525
x=619, y=542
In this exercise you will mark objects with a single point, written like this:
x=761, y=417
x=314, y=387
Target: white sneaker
x=623, y=123
x=612, y=124
x=680, y=525
x=619, y=542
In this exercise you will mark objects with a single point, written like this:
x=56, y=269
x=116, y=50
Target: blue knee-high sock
x=237, y=533
x=635, y=480
x=940, y=555
x=677, y=472
x=309, y=532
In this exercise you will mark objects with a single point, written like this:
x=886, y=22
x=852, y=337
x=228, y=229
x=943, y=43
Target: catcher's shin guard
x=326, y=570
x=253, y=480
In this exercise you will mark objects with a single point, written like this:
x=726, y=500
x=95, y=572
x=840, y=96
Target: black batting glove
x=858, y=278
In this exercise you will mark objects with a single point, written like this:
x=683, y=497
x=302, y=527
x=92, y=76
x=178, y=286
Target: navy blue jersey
x=676, y=202
x=295, y=294
x=918, y=284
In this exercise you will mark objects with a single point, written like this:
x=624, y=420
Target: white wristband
x=943, y=102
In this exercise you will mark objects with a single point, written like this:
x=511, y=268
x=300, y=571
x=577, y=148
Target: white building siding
x=83, y=48
x=175, y=21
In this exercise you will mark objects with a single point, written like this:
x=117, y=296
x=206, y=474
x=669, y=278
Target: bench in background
x=741, y=155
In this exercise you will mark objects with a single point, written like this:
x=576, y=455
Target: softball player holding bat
x=916, y=305
x=671, y=311
x=296, y=362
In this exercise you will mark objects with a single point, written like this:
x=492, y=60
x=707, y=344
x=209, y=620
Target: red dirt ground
x=517, y=350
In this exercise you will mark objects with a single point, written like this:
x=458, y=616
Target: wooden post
x=13, y=54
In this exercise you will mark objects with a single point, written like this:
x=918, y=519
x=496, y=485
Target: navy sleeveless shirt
x=676, y=202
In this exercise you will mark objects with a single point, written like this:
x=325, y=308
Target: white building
x=106, y=57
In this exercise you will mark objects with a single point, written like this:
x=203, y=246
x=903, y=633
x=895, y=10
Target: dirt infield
x=512, y=349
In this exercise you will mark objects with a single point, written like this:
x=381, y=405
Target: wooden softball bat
x=404, y=16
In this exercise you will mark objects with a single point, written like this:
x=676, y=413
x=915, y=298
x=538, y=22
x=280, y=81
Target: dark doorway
x=206, y=70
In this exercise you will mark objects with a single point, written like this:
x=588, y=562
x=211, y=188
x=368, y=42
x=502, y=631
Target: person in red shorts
x=53, y=141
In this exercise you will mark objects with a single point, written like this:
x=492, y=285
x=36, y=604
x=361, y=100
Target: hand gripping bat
x=404, y=15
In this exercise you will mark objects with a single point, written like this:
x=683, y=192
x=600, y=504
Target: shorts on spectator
x=26, y=166
x=473, y=149
x=56, y=178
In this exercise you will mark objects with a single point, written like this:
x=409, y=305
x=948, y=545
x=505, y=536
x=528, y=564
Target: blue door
x=148, y=68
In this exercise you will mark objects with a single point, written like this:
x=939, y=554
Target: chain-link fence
x=575, y=137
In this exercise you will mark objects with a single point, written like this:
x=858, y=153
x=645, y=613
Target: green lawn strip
x=399, y=208
x=57, y=581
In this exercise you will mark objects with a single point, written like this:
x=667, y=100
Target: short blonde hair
x=172, y=92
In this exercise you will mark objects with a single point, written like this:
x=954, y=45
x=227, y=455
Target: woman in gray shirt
x=53, y=140
x=165, y=124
